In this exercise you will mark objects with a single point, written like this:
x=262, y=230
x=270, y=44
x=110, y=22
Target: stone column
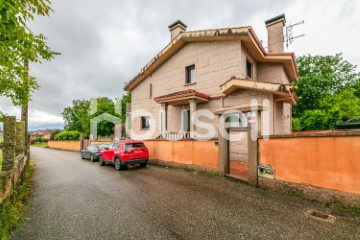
x=9, y=143
x=192, y=121
x=223, y=154
x=252, y=159
x=20, y=138
x=163, y=119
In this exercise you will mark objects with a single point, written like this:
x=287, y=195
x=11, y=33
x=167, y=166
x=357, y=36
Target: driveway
x=78, y=199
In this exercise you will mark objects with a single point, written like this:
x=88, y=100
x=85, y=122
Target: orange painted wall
x=101, y=142
x=327, y=162
x=199, y=153
x=66, y=145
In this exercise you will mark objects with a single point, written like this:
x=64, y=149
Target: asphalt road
x=78, y=199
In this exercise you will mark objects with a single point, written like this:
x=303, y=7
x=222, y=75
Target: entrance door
x=238, y=153
x=186, y=120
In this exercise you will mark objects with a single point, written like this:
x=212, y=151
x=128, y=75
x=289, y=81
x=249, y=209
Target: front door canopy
x=182, y=97
x=283, y=92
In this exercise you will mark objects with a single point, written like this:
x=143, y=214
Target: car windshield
x=102, y=146
x=134, y=145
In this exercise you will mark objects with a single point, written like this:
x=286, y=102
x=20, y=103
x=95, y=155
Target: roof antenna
x=289, y=33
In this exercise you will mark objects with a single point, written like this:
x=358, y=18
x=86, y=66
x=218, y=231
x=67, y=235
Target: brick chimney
x=275, y=28
x=176, y=28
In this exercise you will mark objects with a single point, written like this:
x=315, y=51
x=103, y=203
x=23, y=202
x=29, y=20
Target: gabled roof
x=244, y=34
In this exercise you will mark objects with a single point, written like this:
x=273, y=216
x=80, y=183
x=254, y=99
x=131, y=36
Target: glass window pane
x=192, y=75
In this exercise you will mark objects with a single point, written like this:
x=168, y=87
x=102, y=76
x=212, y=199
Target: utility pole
x=24, y=107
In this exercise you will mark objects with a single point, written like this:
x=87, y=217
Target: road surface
x=78, y=199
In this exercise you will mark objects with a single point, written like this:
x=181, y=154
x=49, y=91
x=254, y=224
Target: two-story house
x=222, y=71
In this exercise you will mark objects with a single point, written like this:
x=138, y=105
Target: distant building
x=47, y=134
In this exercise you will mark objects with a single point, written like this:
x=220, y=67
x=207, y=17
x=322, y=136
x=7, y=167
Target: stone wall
x=14, y=156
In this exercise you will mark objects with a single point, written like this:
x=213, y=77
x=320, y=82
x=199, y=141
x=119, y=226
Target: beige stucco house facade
x=219, y=71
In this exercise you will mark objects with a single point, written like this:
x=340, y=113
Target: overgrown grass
x=41, y=145
x=1, y=159
x=11, y=211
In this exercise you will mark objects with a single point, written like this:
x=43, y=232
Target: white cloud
x=105, y=43
x=37, y=118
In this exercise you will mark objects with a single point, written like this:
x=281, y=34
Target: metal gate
x=85, y=143
x=238, y=153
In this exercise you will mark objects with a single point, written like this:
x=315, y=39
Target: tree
x=329, y=91
x=18, y=45
x=125, y=100
x=78, y=116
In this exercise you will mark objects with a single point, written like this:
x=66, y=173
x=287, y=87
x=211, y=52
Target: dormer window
x=249, y=69
x=190, y=74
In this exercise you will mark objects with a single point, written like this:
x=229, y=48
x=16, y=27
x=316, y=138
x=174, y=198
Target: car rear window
x=115, y=145
x=134, y=145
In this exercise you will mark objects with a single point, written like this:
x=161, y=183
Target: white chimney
x=176, y=28
x=275, y=28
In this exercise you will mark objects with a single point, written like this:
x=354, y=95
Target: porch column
x=192, y=121
x=163, y=119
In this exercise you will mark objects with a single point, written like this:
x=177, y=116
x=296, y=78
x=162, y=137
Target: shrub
x=41, y=140
x=67, y=135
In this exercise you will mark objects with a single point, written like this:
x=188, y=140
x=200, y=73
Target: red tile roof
x=182, y=94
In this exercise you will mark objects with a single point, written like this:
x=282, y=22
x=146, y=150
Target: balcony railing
x=175, y=135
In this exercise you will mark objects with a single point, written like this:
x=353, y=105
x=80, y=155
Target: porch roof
x=283, y=92
x=242, y=108
x=181, y=97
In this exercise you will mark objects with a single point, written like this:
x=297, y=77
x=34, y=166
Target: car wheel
x=142, y=165
x=117, y=164
x=92, y=157
x=101, y=162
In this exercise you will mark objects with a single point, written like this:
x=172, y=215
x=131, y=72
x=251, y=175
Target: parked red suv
x=124, y=153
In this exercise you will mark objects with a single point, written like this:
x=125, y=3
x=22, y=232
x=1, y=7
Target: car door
x=88, y=151
x=105, y=154
x=85, y=152
x=108, y=155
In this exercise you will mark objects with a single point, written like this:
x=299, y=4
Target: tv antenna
x=289, y=33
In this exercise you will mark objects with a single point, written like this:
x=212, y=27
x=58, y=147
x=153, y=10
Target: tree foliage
x=329, y=91
x=67, y=135
x=19, y=44
x=77, y=117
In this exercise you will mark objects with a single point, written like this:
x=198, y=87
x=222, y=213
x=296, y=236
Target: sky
x=104, y=44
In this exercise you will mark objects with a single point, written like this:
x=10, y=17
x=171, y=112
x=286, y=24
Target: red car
x=124, y=153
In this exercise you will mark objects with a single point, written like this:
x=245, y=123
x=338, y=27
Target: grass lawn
x=41, y=145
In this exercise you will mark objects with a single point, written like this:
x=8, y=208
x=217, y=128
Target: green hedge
x=67, y=135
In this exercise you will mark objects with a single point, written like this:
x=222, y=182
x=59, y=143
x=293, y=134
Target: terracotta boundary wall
x=327, y=162
x=65, y=145
x=189, y=152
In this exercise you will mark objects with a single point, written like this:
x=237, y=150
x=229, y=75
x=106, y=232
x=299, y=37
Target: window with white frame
x=145, y=122
x=190, y=74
